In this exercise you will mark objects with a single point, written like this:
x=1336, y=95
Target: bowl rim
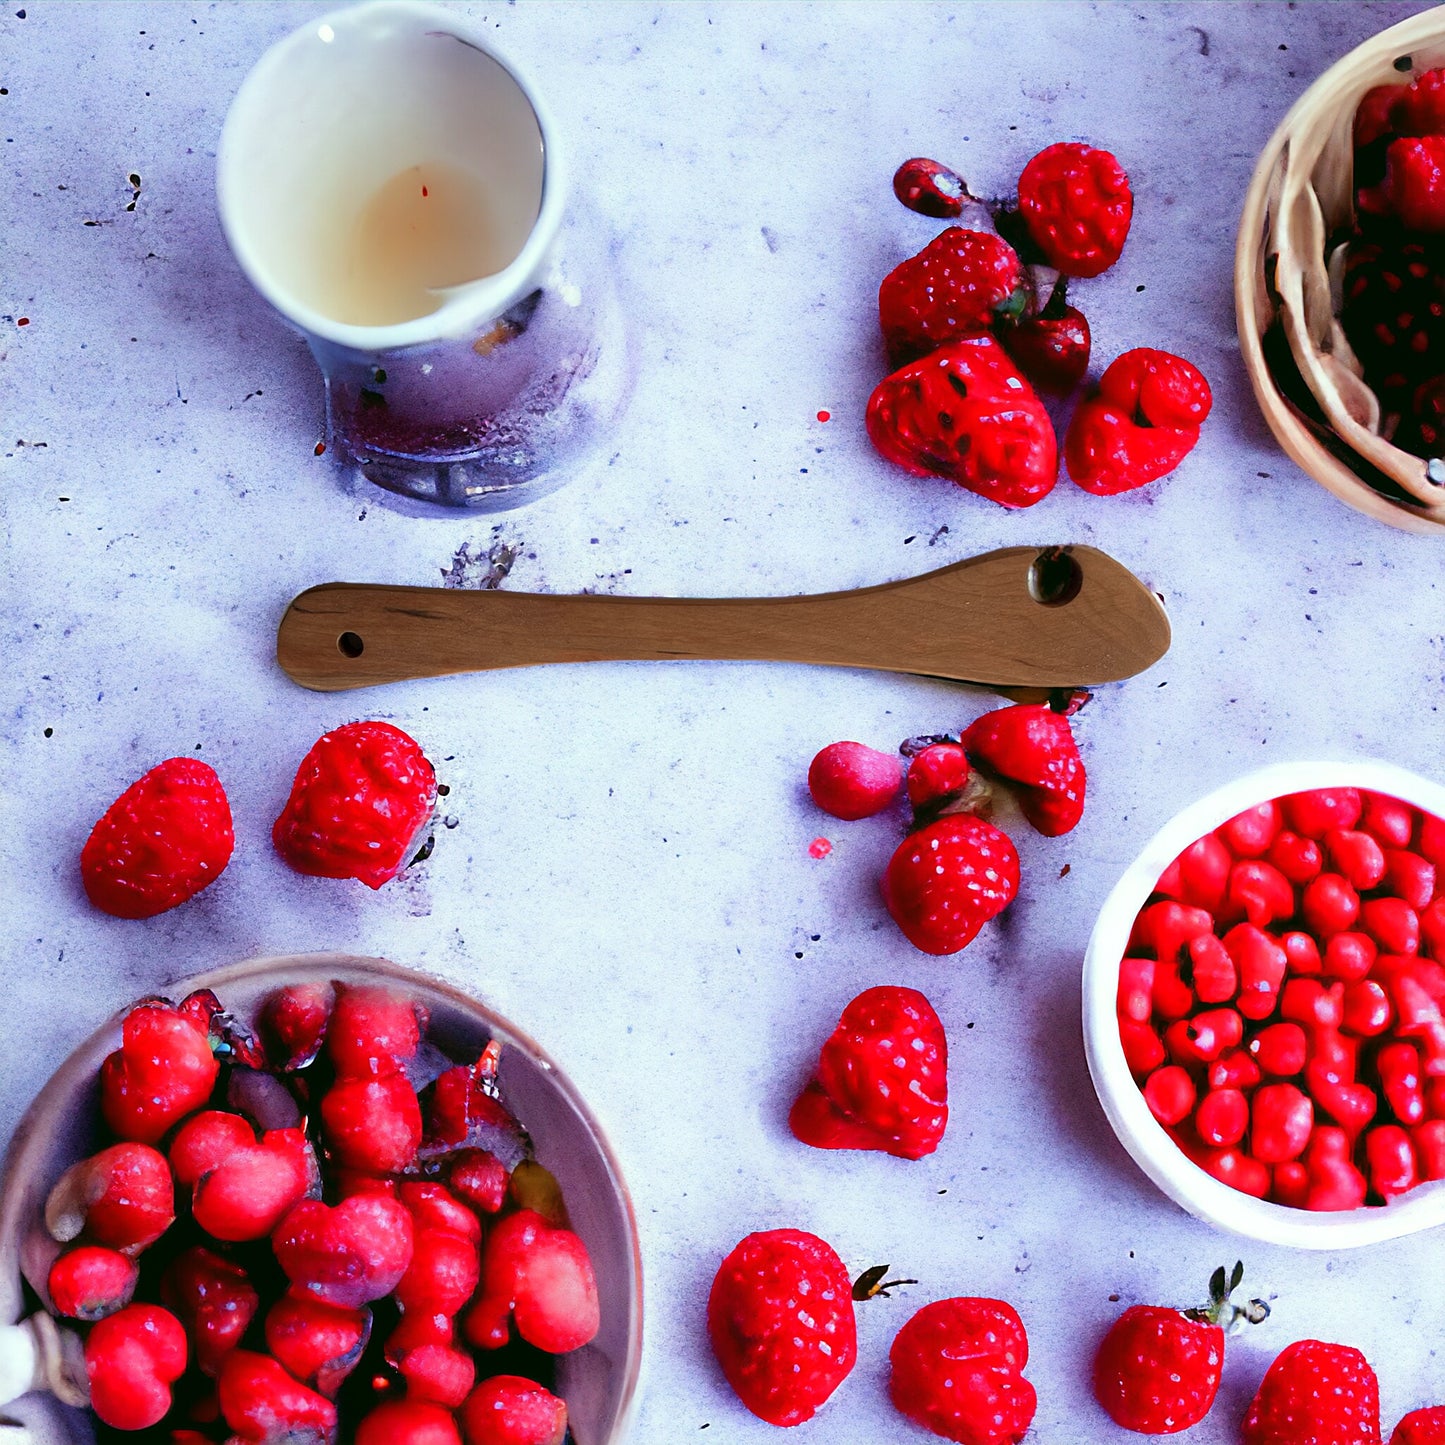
x=28, y=1140
x=1121, y=1098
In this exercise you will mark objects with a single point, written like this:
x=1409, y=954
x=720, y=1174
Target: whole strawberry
x=361, y=799
x=1421, y=1427
x=965, y=413
x=164, y=839
x=1157, y=1370
x=1320, y=1393
x=780, y=1317
x=947, y=880
x=1077, y=205
x=956, y=286
x=852, y=780
x=882, y=1080
x=957, y=1371
x=1032, y=746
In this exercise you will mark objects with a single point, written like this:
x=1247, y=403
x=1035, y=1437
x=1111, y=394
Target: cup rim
x=488, y=296
x=1123, y=1103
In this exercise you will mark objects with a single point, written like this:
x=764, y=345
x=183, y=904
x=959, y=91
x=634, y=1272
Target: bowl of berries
x=1264, y=1005
x=320, y=1198
x=1340, y=277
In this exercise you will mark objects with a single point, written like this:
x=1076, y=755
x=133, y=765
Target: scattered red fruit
x=1421, y=1427
x=780, y=1317
x=361, y=799
x=132, y=1358
x=90, y=1282
x=851, y=780
x=1077, y=205
x=1320, y=1393
x=1051, y=347
x=930, y=189
x=1033, y=747
x=882, y=1079
x=163, y=1070
x=164, y=839
x=510, y=1410
x=937, y=772
x=957, y=1371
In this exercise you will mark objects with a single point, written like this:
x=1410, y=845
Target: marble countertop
x=623, y=866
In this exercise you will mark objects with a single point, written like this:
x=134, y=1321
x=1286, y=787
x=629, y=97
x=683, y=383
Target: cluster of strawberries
x=1393, y=308
x=1282, y=1003
x=972, y=320
x=291, y=1242
x=362, y=798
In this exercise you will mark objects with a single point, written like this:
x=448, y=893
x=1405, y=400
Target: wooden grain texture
x=975, y=621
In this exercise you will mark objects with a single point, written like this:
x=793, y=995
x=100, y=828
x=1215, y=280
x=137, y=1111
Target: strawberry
x=1314, y=1392
x=1051, y=347
x=1142, y=422
x=882, y=1080
x=1415, y=182
x=956, y=286
x=930, y=189
x=162, y=841
x=957, y=1371
x=851, y=780
x=361, y=798
x=1421, y=1427
x=1033, y=747
x=1157, y=1370
x=965, y=413
x=936, y=773
x=1077, y=205
x=948, y=879
x=1419, y=109
x=780, y=1317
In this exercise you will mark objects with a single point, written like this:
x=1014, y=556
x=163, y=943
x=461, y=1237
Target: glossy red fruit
x=1141, y=423
x=442, y=1275
x=163, y=1070
x=247, y=1194
x=122, y=1198
x=204, y=1141
x=1368, y=1010
x=1258, y=892
x=965, y=413
x=1421, y=1427
x=1299, y=859
x=1170, y=1094
x=956, y=286
x=1390, y=1159
x=1419, y=108
x=1032, y=746
x=164, y=839
x=1392, y=923
x=433, y=1206
x=349, y=1254
x=947, y=880
x=1200, y=874
x=1414, y=186
x=1302, y=954
x=1204, y=1037
x=372, y=1032
x=1281, y=1121
x=851, y=780
x=320, y=1344
x=438, y=1374
x=132, y=1358
x=1165, y=929
x=408, y=1422
x=1076, y=203
x=938, y=771
x=1236, y=1169
x=929, y=188
x=1349, y=956
x=957, y=1370
x=882, y=1079
x=1222, y=1118
x=1262, y=966
x=361, y=799
x=479, y=1178
x=1251, y=833
x=1390, y=821
x=1143, y=1049
x=1216, y=979
x=262, y=1403
x=1334, y=1182
x=1329, y=905
x=1234, y=1069
x=780, y=1318
x=1051, y=347
x=1321, y=1393
x=90, y=1282
x=1135, y=996
x=1313, y=814
x=1309, y=1002
x=1409, y=877
x=1356, y=856
x=1280, y=1050
x=510, y=1410
x=372, y=1124
x=294, y=1021
x=215, y=1301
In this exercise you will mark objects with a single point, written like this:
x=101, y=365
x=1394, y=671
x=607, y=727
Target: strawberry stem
x=871, y=1282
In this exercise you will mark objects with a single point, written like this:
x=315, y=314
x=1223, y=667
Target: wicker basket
x=1303, y=370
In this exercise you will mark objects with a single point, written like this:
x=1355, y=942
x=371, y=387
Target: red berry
x=408, y=1422
x=294, y=1021
x=1421, y=1427
x=1390, y=1159
x=205, y=1141
x=442, y=1275
x=479, y=1178
x=1398, y=1065
x=1251, y=833
x=1290, y=1184
x=438, y=1374
x=947, y=880
x=882, y=1079
x=1258, y=892
x=122, y=1198
x=1279, y=1050
x=1173, y=998
x=939, y=771
x=1324, y=1394
x=1281, y=1119
x=1076, y=203
x=1262, y=965
x=1414, y=184
x=1236, y=1169
x=163, y=1070
x=320, y=1344
x=1032, y=746
x=253, y=1188
x=372, y=1032
x=1393, y=924
x=1419, y=108
x=1051, y=348
x=1315, y=813
x=132, y=1358
x=1307, y=1001
x=929, y=188
x=1334, y=1182
x=1389, y=821
x=1302, y=954
x=1329, y=905
x=1429, y=1141
x=164, y=839
x=361, y=799
x=1349, y=956
x=214, y=1299
x=1166, y=929
x=1430, y=839
x=1170, y=1094
x=957, y=1371
x=1143, y=1049
x=433, y=1206
x=1141, y=423
x=1202, y=874
x=1374, y=116
x=510, y=1410
x=1299, y=859
x=1368, y=1010
x=542, y=1278
x=1410, y=877
x=90, y=1282
x=850, y=780
x=262, y=1403
x=1222, y=1118
x=1201, y=1039
x=348, y=1255
x=1216, y=979
x=1356, y=856
x=1234, y=1069
x=372, y=1124
x=965, y=413
x=780, y=1318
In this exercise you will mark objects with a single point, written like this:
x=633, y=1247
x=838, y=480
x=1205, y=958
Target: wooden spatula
x=1015, y=618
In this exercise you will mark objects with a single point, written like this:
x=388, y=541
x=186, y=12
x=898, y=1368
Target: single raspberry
x=851, y=780
x=163, y=1070
x=930, y=189
x=780, y=1317
x=1077, y=205
x=1033, y=747
x=882, y=1079
x=1326, y=1394
x=361, y=799
x=165, y=838
x=956, y=286
x=510, y=1410
x=132, y=1358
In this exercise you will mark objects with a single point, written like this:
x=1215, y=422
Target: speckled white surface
x=627, y=874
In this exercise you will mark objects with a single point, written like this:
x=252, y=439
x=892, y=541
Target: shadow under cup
x=396, y=192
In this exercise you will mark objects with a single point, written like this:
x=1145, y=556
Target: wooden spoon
x=1015, y=618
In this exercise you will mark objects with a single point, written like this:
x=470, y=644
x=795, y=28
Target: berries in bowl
x=322, y=1198
x=1264, y=1005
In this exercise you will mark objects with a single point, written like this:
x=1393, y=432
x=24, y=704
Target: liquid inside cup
x=372, y=162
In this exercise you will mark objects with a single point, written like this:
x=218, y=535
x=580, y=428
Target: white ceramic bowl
x=599, y=1381
x=1138, y=1130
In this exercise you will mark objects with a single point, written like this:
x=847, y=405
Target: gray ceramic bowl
x=599, y=1381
